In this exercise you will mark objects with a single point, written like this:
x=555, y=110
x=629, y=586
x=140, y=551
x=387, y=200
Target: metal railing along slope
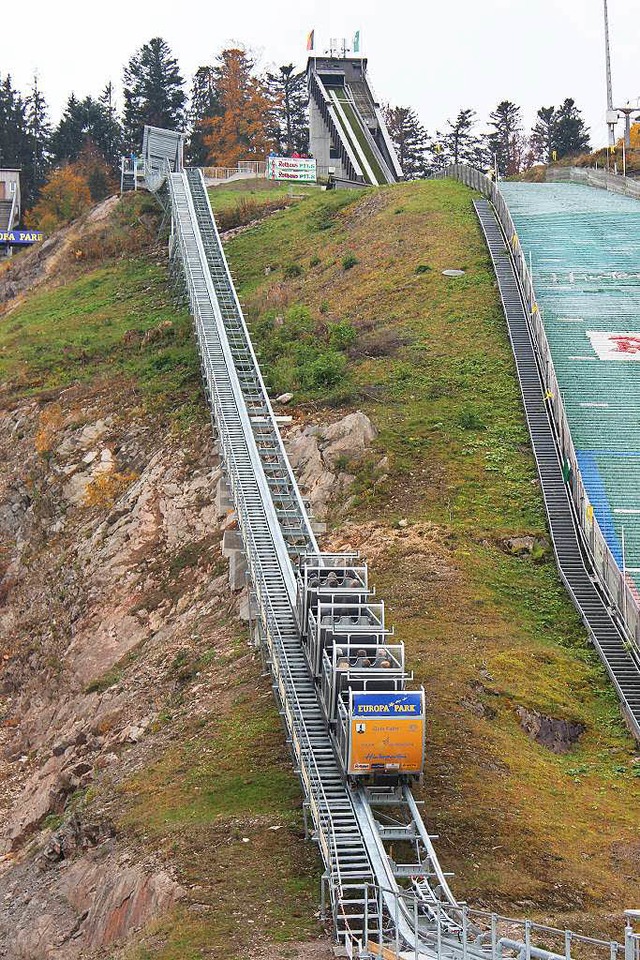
x=615, y=183
x=611, y=613
x=293, y=517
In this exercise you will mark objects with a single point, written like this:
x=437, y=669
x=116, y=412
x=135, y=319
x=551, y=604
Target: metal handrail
x=292, y=708
x=12, y=213
x=246, y=168
x=478, y=941
x=594, y=177
x=311, y=543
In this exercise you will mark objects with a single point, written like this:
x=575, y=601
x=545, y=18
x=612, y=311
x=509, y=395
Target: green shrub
x=301, y=354
x=326, y=216
x=349, y=261
x=469, y=419
x=322, y=219
x=298, y=324
x=342, y=335
x=292, y=270
x=325, y=370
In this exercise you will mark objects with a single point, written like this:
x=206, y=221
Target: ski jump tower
x=347, y=132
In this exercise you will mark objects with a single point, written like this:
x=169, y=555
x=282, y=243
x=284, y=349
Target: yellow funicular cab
x=386, y=733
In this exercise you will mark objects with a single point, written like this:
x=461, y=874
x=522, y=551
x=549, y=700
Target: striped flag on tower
x=356, y=42
x=310, y=40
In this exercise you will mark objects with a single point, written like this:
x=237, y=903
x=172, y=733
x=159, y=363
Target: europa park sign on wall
x=300, y=169
x=20, y=237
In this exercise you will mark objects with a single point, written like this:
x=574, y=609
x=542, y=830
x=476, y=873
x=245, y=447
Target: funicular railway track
x=379, y=907
x=267, y=553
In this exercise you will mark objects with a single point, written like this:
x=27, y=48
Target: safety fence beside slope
x=621, y=591
x=615, y=183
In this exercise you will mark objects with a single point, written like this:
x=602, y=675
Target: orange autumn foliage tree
x=64, y=197
x=244, y=128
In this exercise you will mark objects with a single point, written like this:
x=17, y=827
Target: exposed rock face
x=98, y=899
x=114, y=538
x=559, y=736
x=110, y=545
x=321, y=457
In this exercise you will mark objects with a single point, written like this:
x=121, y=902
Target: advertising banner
x=296, y=169
x=387, y=733
x=21, y=237
x=615, y=346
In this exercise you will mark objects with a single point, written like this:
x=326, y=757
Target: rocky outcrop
x=323, y=457
x=79, y=894
x=559, y=736
x=116, y=540
x=111, y=545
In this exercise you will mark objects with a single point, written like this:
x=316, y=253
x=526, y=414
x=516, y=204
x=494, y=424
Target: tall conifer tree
x=289, y=92
x=205, y=105
x=571, y=134
x=506, y=142
x=153, y=92
x=542, y=139
x=410, y=140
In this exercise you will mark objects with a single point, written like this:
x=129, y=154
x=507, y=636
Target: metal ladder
x=597, y=616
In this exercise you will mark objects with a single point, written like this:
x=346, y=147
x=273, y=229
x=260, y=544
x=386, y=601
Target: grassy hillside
x=349, y=309
x=210, y=791
x=487, y=632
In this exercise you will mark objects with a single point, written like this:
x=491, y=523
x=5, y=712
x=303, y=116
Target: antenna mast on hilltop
x=612, y=115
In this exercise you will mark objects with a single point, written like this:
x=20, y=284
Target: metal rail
x=353, y=826
x=613, y=182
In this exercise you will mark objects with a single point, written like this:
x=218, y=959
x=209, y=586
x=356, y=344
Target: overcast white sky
x=434, y=55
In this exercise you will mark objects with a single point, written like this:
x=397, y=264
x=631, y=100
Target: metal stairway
x=268, y=559
x=294, y=521
x=597, y=616
x=6, y=207
x=128, y=175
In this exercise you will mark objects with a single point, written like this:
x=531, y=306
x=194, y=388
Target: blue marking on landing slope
x=599, y=500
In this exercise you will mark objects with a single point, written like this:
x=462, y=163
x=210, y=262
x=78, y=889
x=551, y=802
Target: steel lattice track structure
x=353, y=826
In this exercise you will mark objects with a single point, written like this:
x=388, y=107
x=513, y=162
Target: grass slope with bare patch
x=486, y=631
